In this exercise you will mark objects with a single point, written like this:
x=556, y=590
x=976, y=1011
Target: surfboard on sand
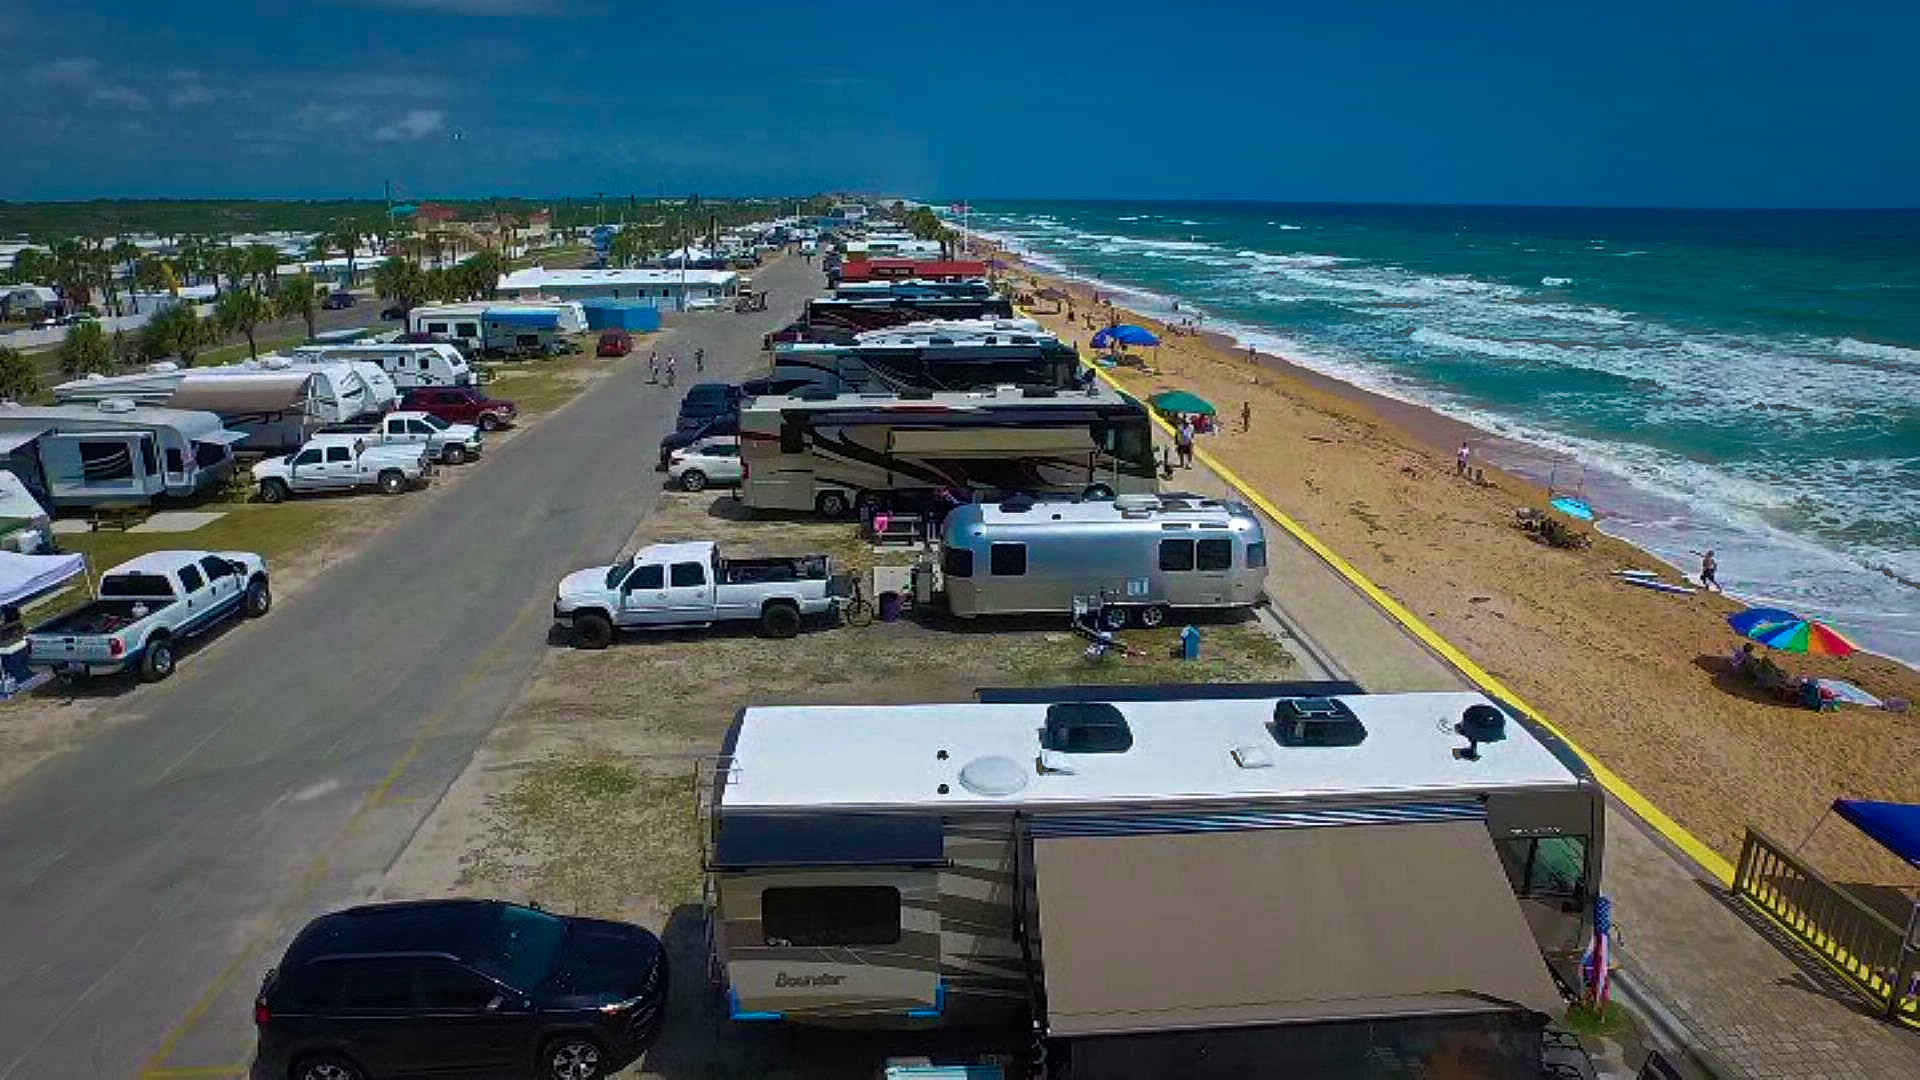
x=1637, y=573
x=1660, y=586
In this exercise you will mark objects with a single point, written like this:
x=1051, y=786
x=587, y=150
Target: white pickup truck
x=146, y=607
x=689, y=584
x=342, y=463
x=447, y=443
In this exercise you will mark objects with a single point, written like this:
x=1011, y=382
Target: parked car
x=459, y=988
x=395, y=313
x=342, y=463
x=146, y=606
x=688, y=434
x=463, y=405
x=690, y=584
x=707, y=400
x=447, y=443
x=713, y=460
x=339, y=300
x=614, y=343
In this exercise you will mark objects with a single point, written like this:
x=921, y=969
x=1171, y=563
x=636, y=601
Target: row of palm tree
x=403, y=281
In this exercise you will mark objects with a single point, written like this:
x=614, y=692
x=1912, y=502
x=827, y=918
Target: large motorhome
x=838, y=320
x=114, y=451
x=830, y=454
x=1112, y=861
x=913, y=289
x=1137, y=556
x=955, y=360
x=409, y=365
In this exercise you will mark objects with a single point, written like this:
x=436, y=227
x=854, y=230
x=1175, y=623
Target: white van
x=408, y=365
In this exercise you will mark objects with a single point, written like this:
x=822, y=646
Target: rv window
x=436, y=328
x=1176, y=554
x=176, y=461
x=423, y=363
x=206, y=455
x=957, y=562
x=1215, y=555
x=1545, y=866
x=467, y=330
x=793, y=435
x=148, y=458
x=100, y=461
x=1007, y=560
x=688, y=574
x=650, y=576
x=1256, y=554
x=830, y=915
x=190, y=578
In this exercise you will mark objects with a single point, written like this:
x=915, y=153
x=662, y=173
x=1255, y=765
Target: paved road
x=148, y=878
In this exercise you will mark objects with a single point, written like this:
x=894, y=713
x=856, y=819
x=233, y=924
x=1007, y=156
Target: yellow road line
x=1708, y=859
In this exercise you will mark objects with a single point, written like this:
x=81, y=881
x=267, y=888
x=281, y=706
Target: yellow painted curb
x=1677, y=834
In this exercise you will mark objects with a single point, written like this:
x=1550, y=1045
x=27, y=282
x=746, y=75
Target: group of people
x=672, y=367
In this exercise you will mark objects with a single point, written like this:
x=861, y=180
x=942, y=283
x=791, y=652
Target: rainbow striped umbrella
x=1788, y=632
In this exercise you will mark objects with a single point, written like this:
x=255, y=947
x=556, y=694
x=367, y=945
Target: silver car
x=712, y=460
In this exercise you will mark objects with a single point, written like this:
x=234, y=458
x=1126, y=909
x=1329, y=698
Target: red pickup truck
x=462, y=405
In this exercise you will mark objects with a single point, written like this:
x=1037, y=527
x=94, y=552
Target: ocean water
x=1746, y=381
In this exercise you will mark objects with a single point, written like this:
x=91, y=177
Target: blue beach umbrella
x=1788, y=632
x=1124, y=334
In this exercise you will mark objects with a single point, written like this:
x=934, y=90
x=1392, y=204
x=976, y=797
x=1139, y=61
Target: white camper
x=114, y=451
x=408, y=365
x=465, y=322
x=336, y=392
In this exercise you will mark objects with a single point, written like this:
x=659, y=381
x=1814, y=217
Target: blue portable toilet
x=1190, y=644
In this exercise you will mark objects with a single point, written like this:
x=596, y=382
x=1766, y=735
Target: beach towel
x=1836, y=690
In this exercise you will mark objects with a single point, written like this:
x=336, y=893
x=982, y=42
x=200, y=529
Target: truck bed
x=755, y=571
x=100, y=617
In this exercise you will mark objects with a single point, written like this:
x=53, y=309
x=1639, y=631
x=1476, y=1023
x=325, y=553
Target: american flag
x=1594, y=962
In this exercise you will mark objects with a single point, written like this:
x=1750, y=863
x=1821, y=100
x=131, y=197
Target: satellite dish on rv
x=117, y=405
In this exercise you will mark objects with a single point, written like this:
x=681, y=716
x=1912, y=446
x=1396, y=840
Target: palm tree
x=19, y=378
x=175, y=330
x=225, y=260
x=86, y=351
x=261, y=262
x=126, y=255
x=242, y=310
x=32, y=265
x=319, y=248
x=151, y=275
x=347, y=239
x=299, y=296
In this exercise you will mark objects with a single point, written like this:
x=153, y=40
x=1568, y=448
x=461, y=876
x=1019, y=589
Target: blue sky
x=1709, y=102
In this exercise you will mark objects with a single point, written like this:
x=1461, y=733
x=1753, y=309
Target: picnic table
x=117, y=516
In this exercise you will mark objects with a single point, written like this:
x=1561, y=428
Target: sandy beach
x=1635, y=676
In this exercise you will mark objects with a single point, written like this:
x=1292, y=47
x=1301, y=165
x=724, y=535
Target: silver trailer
x=114, y=451
x=1137, y=555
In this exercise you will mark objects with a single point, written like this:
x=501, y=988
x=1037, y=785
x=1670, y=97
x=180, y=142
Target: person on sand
x=1183, y=441
x=1709, y=568
x=1462, y=458
x=653, y=366
x=1246, y=416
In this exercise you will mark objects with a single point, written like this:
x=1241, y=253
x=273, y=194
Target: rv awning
x=538, y=320
x=223, y=437
x=14, y=440
x=1177, y=931
x=1896, y=826
x=242, y=393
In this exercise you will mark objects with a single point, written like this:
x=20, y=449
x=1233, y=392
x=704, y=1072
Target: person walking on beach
x=699, y=360
x=1183, y=442
x=653, y=366
x=670, y=367
x=1246, y=416
x=1462, y=458
x=1709, y=569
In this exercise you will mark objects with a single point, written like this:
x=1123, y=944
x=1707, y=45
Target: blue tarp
x=539, y=320
x=1895, y=825
x=1125, y=333
x=640, y=316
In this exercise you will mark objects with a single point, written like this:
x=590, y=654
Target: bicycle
x=856, y=610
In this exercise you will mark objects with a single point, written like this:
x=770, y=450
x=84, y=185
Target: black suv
x=459, y=988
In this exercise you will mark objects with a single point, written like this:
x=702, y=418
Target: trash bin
x=1190, y=644
x=889, y=606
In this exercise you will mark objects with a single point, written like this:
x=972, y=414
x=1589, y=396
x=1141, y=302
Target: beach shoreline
x=1635, y=675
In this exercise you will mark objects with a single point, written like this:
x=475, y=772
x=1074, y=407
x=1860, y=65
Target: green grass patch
x=233, y=354
x=587, y=833
x=277, y=532
x=1585, y=1019
x=1238, y=652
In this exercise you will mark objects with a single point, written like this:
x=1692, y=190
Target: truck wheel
x=693, y=480
x=1152, y=616
x=489, y=422
x=832, y=504
x=259, y=598
x=453, y=454
x=157, y=664
x=393, y=482
x=273, y=491
x=592, y=631
x=780, y=620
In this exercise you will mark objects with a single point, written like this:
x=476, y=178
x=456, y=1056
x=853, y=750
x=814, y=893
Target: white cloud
x=115, y=94
x=190, y=94
x=64, y=72
x=414, y=124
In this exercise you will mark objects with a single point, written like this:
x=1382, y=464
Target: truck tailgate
x=57, y=649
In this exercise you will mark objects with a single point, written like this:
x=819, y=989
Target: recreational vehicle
x=913, y=289
x=410, y=366
x=275, y=410
x=1137, y=555
x=1122, y=860
x=954, y=361
x=465, y=322
x=854, y=316
x=114, y=451
x=832, y=453
x=335, y=392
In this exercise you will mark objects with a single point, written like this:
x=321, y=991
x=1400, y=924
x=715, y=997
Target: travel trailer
x=955, y=360
x=1137, y=556
x=409, y=365
x=465, y=323
x=1126, y=860
x=832, y=453
x=114, y=451
x=335, y=392
x=275, y=410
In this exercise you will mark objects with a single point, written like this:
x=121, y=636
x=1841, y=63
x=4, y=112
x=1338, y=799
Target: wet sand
x=1636, y=676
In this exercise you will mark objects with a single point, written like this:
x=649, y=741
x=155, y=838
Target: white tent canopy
x=23, y=577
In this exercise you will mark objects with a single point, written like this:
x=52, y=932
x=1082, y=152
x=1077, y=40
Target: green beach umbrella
x=1181, y=401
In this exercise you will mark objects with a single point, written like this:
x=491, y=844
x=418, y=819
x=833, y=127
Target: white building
x=663, y=287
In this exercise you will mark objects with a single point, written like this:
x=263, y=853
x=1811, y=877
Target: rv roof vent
x=1316, y=722
x=162, y=368
x=1016, y=504
x=1252, y=757
x=275, y=363
x=993, y=776
x=1136, y=504
x=1086, y=727
x=1005, y=389
x=117, y=405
